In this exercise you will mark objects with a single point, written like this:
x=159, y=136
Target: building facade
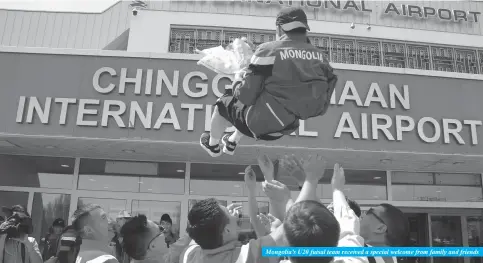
x=109, y=107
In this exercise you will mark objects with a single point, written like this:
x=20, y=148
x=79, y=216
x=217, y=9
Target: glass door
x=446, y=232
x=474, y=224
x=418, y=232
x=155, y=210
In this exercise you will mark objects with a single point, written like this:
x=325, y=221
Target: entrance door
x=446, y=232
x=418, y=232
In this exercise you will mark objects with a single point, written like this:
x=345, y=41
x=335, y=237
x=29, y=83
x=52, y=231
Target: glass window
x=155, y=209
x=45, y=209
x=446, y=232
x=436, y=187
x=32, y=171
x=192, y=202
x=137, y=177
x=360, y=185
x=475, y=234
x=9, y=199
x=246, y=231
x=221, y=179
x=111, y=206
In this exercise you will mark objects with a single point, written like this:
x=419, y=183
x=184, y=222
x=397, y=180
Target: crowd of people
x=212, y=230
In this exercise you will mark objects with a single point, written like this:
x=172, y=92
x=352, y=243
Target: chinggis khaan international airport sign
x=392, y=9
x=153, y=114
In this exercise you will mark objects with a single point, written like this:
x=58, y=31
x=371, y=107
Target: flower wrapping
x=230, y=60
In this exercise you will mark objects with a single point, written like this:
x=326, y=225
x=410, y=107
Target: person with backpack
x=143, y=240
x=287, y=80
x=50, y=240
x=87, y=240
x=15, y=244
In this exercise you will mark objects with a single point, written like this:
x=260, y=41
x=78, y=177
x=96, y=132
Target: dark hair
x=82, y=216
x=166, y=218
x=298, y=30
x=206, y=222
x=136, y=237
x=311, y=224
x=397, y=226
x=355, y=207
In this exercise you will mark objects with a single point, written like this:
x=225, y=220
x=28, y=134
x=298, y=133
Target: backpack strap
x=22, y=248
x=188, y=251
x=238, y=251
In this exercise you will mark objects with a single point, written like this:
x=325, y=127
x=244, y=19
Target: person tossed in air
x=288, y=80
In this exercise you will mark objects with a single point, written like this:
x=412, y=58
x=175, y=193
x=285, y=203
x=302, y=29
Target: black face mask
x=16, y=225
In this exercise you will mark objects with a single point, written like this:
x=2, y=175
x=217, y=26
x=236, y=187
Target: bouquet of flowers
x=230, y=60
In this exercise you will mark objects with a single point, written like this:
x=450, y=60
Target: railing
x=358, y=51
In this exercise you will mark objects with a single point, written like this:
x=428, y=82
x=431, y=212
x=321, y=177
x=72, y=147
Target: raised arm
x=314, y=168
x=348, y=221
x=278, y=193
x=251, y=184
x=340, y=204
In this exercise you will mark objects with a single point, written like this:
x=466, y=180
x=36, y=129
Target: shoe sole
x=212, y=154
x=225, y=149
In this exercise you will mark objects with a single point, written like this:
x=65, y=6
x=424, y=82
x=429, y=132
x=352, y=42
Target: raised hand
x=234, y=209
x=276, y=191
x=294, y=168
x=250, y=179
x=266, y=165
x=338, y=178
x=275, y=222
x=265, y=221
x=314, y=167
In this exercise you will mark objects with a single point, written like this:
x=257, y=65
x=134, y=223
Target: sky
x=95, y=6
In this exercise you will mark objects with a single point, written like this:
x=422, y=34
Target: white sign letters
x=380, y=126
x=156, y=114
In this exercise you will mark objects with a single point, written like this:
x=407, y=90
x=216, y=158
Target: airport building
x=108, y=108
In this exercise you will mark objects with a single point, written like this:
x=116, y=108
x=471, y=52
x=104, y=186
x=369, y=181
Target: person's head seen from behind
x=212, y=225
x=311, y=224
x=291, y=21
x=384, y=225
x=121, y=219
x=141, y=239
x=92, y=222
